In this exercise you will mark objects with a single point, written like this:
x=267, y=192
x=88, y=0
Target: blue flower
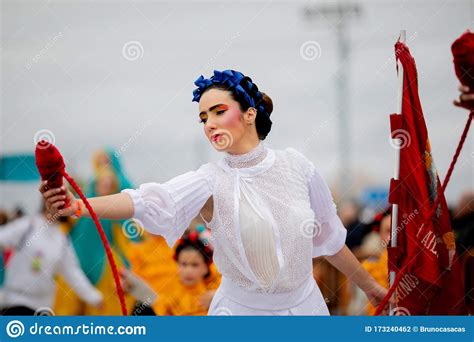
x=233, y=81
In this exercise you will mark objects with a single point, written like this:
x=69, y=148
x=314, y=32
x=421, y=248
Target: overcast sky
x=102, y=73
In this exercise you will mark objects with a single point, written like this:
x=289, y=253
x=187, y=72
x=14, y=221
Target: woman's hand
x=376, y=293
x=55, y=198
x=466, y=99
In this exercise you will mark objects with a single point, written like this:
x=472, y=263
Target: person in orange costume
x=153, y=261
x=193, y=256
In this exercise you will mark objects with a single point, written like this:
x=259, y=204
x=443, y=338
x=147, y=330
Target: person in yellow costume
x=109, y=179
x=153, y=261
x=193, y=257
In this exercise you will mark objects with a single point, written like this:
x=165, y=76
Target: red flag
x=432, y=282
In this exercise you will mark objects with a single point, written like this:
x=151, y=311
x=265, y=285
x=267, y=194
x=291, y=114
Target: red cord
x=402, y=271
x=118, y=285
x=455, y=158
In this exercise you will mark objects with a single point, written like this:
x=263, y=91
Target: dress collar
x=249, y=159
x=249, y=164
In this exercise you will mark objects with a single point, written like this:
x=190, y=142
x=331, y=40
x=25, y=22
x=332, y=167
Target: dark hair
x=192, y=242
x=377, y=221
x=263, y=122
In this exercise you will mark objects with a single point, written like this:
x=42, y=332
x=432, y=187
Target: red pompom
x=50, y=164
x=463, y=53
x=193, y=236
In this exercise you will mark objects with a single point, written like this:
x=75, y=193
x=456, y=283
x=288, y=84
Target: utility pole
x=339, y=15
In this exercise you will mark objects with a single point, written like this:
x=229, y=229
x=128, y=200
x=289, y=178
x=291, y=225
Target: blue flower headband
x=234, y=81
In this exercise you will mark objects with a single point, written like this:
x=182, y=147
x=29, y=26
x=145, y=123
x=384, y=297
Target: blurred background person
x=192, y=256
x=375, y=247
x=40, y=252
x=153, y=261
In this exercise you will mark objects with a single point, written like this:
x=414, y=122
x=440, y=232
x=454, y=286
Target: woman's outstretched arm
x=165, y=209
x=113, y=207
x=348, y=264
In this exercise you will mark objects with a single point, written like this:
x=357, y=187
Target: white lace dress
x=272, y=214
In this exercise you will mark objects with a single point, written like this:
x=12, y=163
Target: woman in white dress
x=270, y=211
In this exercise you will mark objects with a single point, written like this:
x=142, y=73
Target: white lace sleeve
x=330, y=235
x=167, y=209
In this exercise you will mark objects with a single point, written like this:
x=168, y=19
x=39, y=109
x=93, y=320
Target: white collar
x=259, y=160
x=249, y=159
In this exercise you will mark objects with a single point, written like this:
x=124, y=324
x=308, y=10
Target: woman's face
x=225, y=125
x=105, y=185
x=102, y=159
x=191, y=267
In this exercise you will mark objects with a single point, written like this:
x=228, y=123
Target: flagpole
x=396, y=172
